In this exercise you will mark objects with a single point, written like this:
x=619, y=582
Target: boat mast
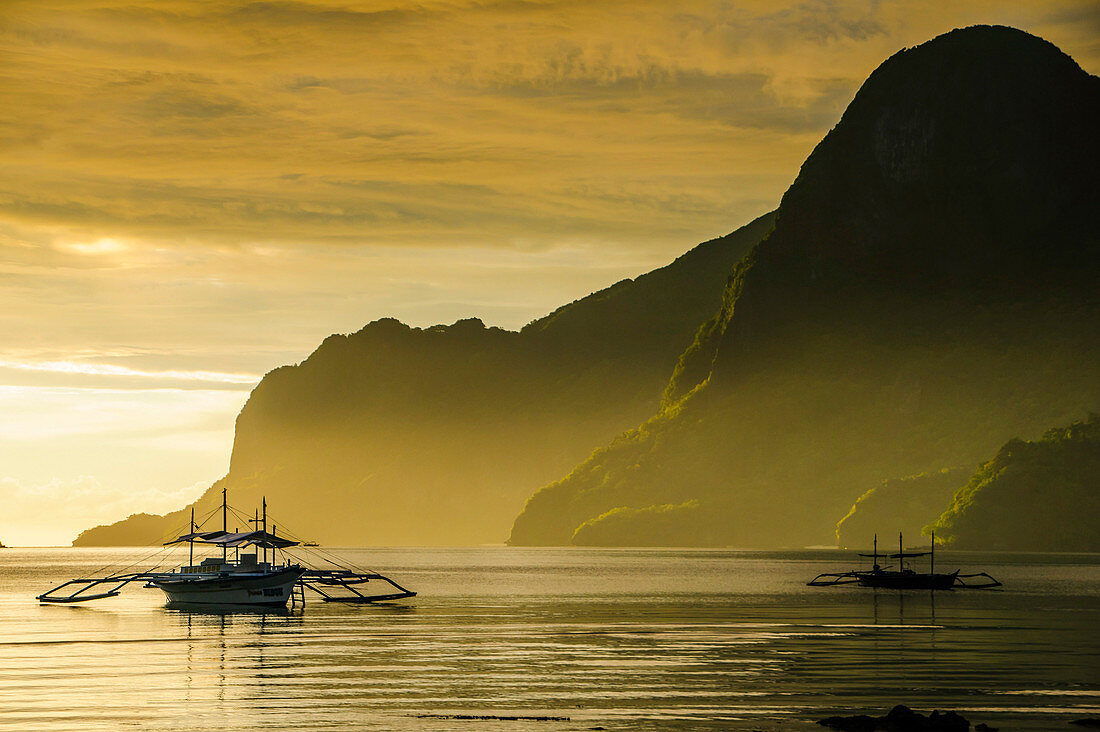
x=191, y=541
x=265, y=527
x=901, y=554
x=932, y=568
x=225, y=525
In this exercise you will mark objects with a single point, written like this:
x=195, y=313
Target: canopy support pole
x=265, y=527
x=191, y=541
x=225, y=524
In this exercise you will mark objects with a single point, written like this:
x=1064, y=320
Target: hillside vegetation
x=905, y=505
x=1033, y=495
x=928, y=291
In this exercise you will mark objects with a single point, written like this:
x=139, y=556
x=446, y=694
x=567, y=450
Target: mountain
x=400, y=435
x=927, y=292
x=903, y=505
x=1042, y=495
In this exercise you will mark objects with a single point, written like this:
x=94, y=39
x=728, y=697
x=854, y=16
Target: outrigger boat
x=246, y=579
x=905, y=577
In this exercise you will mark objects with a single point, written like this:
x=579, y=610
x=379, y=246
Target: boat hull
x=908, y=580
x=259, y=589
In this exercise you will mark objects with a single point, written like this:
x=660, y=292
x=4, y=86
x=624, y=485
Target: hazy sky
x=192, y=193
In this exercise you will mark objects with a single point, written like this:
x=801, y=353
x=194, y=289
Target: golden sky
x=192, y=193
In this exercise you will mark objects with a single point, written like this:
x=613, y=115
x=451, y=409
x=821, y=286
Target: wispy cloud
x=215, y=123
x=96, y=369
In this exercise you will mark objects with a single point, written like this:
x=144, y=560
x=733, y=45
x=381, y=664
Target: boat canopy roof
x=232, y=539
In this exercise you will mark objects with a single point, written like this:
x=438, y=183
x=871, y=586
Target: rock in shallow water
x=900, y=719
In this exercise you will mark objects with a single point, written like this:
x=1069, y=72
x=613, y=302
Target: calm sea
x=609, y=639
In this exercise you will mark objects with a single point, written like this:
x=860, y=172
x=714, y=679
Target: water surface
x=618, y=639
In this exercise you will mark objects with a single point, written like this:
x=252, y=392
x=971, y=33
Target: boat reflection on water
x=187, y=609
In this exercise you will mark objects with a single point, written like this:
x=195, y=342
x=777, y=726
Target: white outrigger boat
x=246, y=579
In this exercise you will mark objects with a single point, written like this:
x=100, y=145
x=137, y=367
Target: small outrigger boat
x=245, y=579
x=904, y=578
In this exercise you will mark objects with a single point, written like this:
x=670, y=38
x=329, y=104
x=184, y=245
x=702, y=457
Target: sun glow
x=74, y=457
x=105, y=245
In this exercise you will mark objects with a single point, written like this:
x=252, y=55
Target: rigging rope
x=316, y=553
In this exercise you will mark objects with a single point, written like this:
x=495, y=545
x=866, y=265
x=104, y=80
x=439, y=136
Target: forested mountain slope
x=1039, y=495
x=928, y=292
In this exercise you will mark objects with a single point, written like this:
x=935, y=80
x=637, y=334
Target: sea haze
x=614, y=639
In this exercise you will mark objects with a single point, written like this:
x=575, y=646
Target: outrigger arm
x=118, y=580
x=977, y=586
x=324, y=581
x=228, y=582
x=834, y=578
x=905, y=577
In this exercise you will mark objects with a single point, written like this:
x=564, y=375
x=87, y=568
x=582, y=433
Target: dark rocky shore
x=903, y=719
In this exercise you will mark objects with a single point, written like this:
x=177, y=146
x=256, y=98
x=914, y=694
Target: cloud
x=75, y=368
x=207, y=124
x=228, y=123
x=124, y=414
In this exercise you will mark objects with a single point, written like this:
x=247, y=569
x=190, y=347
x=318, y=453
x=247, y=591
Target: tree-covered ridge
x=401, y=435
x=904, y=505
x=927, y=291
x=652, y=310
x=1034, y=495
x=686, y=524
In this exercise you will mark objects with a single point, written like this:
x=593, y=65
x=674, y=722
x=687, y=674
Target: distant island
x=925, y=292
